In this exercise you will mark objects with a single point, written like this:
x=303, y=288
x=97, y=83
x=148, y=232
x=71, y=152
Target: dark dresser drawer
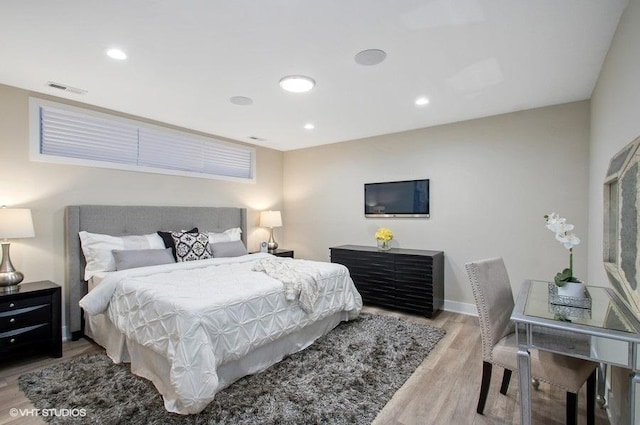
x=30, y=320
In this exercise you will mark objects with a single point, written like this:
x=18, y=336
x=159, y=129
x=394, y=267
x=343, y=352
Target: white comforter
x=202, y=314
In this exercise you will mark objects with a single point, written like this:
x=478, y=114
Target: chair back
x=494, y=301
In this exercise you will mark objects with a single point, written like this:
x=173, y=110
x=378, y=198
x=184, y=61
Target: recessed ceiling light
x=370, y=57
x=297, y=83
x=116, y=54
x=309, y=126
x=241, y=100
x=422, y=101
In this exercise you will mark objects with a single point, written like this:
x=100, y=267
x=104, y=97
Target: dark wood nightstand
x=30, y=320
x=278, y=252
x=282, y=253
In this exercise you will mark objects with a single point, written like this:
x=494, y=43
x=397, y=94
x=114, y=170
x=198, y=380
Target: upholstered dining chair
x=494, y=301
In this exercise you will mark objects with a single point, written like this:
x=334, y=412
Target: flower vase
x=572, y=289
x=383, y=245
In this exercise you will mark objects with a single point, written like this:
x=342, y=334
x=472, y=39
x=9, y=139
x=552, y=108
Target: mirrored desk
x=605, y=333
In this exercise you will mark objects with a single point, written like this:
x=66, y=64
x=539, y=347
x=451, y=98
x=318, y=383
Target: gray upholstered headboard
x=132, y=220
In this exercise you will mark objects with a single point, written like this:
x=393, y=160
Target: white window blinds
x=64, y=133
x=180, y=151
x=90, y=138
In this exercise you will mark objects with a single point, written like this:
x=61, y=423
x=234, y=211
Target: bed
x=195, y=327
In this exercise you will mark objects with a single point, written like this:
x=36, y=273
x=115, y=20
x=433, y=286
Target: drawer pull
x=12, y=320
x=12, y=340
x=12, y=305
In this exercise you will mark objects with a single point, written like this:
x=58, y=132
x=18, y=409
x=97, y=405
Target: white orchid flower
x=551, y=217
x=561, y=228
x=553, y=222
x=568, y=240
x=558, y=224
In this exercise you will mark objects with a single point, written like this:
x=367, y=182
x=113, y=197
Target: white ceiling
x=186, y=58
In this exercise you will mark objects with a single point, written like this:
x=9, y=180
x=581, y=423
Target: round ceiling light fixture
x=309, y=126
x=297, y=83
x=116, y=54
x=241, y=100
x=370, y=57
x=422, y=101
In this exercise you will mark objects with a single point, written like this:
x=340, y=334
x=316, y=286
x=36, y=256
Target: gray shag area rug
x=345, y=377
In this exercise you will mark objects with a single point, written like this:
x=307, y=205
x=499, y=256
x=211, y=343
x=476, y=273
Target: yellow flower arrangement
x=384, y=234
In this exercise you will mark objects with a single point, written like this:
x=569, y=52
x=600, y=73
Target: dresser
x=408, y=280
x=30, y=320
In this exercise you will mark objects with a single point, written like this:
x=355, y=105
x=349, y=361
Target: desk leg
x=635, y=399
x=601, y=387
x=524, y=373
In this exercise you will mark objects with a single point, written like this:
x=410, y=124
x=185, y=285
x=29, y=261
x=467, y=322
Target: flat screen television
x=409, y=198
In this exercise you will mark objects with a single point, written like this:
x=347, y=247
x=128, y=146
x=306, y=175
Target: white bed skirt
x=155, y=367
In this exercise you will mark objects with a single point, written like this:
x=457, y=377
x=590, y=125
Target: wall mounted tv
x=409, y=198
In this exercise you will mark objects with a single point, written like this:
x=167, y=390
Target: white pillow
x=226, y=236
x=97, y=249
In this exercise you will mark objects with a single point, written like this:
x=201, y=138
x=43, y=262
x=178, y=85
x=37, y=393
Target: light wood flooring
x=443, y=390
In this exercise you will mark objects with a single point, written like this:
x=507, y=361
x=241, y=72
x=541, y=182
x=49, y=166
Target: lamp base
x=8, y=289
x=9, y=277
x=272, y=245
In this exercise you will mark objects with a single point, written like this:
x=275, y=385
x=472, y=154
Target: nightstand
x=282, y=253
x=278, y=252
x=30, y=320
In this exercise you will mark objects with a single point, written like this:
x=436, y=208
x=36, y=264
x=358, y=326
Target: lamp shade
x=270, y=219
x=16, y=223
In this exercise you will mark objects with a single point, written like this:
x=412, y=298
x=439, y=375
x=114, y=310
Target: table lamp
x=271, y=219
x=14, y=223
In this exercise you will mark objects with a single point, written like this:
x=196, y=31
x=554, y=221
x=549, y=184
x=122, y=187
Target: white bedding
x=204, y=314
x=96, y=279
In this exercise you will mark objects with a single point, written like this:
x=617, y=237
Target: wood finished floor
x=443, y=390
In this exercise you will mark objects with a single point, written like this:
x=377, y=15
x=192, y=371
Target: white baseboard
x=66, y=335
x=462, y=308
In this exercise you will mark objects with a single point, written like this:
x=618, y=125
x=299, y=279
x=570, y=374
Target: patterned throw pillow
x=191, y=246
x=168, y=240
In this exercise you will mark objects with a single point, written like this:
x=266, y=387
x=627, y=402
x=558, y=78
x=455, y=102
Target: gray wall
x=615, y=122
x=492, y=181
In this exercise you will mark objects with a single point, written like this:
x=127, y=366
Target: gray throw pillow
x=228, y=249
x=131, y=258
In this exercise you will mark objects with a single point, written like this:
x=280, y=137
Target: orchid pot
x=572, y=289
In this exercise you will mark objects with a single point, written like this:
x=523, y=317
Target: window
x=65, y=134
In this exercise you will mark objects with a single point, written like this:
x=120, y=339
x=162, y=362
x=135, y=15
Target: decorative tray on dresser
x=30, y=320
